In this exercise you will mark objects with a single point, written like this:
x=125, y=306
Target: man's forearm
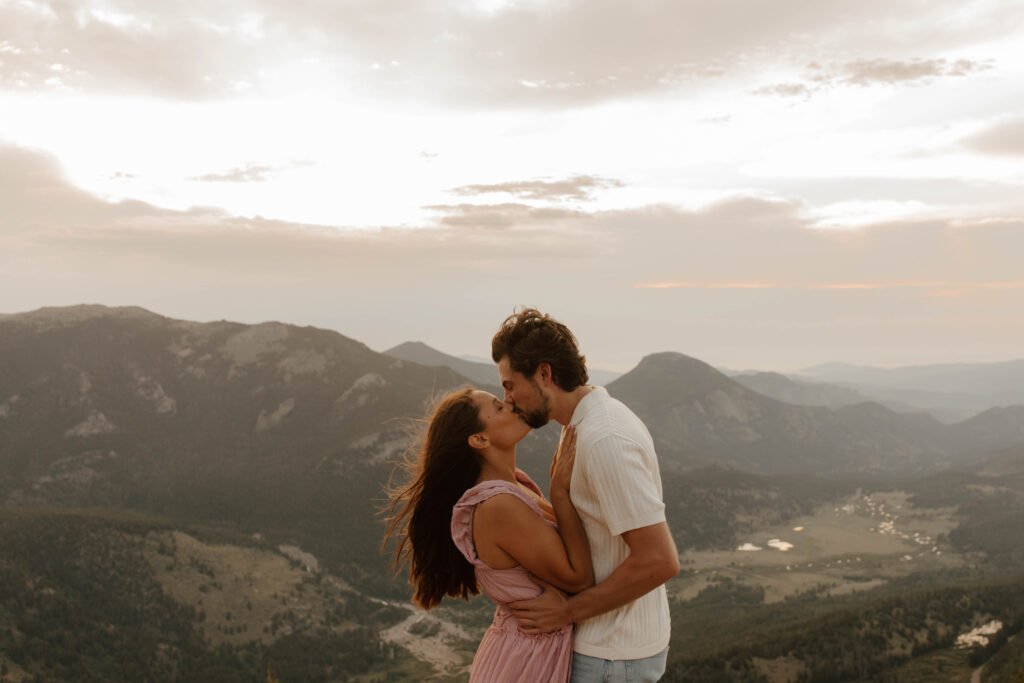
x=574, y=538
x=635, y=577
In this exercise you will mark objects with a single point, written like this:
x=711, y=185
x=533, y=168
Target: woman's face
x=502, y=425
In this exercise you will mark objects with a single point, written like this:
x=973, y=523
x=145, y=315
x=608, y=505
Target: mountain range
x=483, y=373
x=277, y=428
x=698, y=416
x=805, y=393
x=284, y=436
x=94, y=377
x=274, y=425
x=951, y=391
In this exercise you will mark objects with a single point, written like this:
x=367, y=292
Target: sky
x=757, y=184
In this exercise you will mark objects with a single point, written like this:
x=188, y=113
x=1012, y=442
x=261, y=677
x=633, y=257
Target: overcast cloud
x=744, y=267
x=527, y=53
x=752, y=183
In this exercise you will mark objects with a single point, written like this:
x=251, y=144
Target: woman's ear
x=478, y=441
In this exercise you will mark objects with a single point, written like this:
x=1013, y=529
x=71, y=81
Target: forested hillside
x=91, y=596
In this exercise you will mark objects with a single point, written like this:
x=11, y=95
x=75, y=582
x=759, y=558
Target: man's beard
x=541, y=416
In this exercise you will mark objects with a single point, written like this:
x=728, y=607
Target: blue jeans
x=593, y=670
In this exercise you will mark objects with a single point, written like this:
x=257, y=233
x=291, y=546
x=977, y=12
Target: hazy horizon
x=767, y=186
x=482, y=358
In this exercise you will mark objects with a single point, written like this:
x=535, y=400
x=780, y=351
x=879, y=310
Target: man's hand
x=545, y=613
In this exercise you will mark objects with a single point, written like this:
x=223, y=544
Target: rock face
x=96, y=423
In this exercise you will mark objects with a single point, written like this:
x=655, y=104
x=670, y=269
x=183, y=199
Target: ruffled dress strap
x=462, y=512
x=524, y=479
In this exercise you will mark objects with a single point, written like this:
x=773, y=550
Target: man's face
x=525, y=394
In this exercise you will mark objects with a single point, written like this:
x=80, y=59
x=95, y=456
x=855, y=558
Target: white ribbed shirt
x=616, y=487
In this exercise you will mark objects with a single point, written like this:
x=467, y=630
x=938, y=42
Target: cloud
x=519, y=55
x=44, y=213
x=125, y=47
x=787, y=90
x=250, y=173
x=1005, y=138
x=34, y=193
x=501, y=215
x=869, y=72
x=575, y=53
x=747, y=276
x=577, y=187
x=865, y=72
x=740, y=240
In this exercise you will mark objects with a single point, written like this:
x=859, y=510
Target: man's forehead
x=505, y=371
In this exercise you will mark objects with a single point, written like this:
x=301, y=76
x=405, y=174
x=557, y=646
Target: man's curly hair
x=530, y=338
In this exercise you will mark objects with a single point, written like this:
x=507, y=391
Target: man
x=622, y=622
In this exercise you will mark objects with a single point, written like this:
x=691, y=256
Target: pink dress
x=505, y=655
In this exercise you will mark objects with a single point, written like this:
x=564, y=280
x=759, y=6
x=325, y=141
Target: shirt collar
x=586, y=404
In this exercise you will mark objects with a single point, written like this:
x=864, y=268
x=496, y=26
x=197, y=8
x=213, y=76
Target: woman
x=467, y=518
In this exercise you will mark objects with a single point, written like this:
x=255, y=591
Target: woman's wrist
x=559, y=494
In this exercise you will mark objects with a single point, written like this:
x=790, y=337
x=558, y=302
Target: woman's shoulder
x=489, y=488
x=500, y=501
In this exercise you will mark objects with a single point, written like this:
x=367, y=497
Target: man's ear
x=478, y=441
x=544, y=374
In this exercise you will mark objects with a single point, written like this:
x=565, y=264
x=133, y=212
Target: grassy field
x=856, y=545
x=242, y=594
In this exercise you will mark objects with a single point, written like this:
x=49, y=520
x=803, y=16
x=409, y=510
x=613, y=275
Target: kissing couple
x=578, y=577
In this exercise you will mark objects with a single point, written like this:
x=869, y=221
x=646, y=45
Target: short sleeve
x=625, y=479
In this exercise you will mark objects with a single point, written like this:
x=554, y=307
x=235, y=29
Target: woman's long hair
x=420, y=509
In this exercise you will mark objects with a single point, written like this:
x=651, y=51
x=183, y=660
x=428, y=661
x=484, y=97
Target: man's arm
x=653, y=560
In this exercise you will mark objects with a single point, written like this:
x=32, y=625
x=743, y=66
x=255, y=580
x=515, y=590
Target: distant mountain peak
x=411, y=346
x=60, y=316
x=673, y=359
x=675, y=365
x=85, y=311
x=483, y=374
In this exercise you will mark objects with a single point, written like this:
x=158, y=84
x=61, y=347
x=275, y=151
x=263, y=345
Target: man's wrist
x=569, y=609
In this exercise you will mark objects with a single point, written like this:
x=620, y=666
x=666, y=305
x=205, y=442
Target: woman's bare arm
x=509, y=525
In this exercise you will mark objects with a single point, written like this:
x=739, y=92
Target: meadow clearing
x=857, y=544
